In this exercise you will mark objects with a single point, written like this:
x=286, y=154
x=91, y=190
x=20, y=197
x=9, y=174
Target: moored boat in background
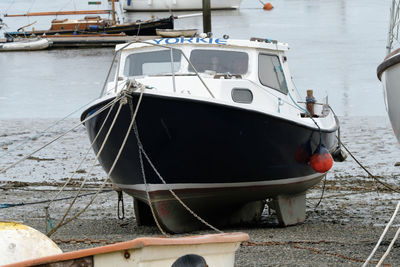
x=169, y=33
x=93, y=24
x=217, y=127
x=168, y=5
x=389, y=71
x=98, y=25
x=25, y=45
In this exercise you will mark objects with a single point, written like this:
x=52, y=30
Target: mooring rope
x=3, y=170
x=11, y=205
x=87, y=152
x=147, y=189
x=383, y=234
x=61, y=222
x=322, y=193
x=389, y=248
x=366, y=170
x=171, y=191
x=123, y=101
x=45, y=130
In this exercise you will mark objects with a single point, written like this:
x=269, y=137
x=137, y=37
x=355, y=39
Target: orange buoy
x=321, y=161
x=268, y=6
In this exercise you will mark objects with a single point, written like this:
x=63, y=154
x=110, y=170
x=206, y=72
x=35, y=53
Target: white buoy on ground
x=19, y=242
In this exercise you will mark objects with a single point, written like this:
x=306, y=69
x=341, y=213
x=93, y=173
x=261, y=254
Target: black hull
x=147, y=28
x=208, y=154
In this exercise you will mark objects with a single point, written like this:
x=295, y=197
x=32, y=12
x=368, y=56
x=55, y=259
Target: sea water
x=335, y=48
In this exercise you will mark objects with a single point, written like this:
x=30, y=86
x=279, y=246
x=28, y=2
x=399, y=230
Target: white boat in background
x=25, y=45
x=166, y=5
x=169, y=33
x=389, y=71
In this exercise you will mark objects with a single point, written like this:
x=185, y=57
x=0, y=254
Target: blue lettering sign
x=172, y=40
x=158, y=41
x=187, y=40
x=203, y=40
x=220, y=41
x=196, y=40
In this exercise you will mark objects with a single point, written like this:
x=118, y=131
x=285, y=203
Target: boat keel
x=143, y=213
x=291, y=209
x=174, y=218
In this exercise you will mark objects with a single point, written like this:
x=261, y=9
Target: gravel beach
x=341, y=231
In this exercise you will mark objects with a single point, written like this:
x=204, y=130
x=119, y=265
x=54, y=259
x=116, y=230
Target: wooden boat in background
x=214, y=249
x=97, y=25
x=93, y=24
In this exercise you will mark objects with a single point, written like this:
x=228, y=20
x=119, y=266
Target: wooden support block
x=291, y=209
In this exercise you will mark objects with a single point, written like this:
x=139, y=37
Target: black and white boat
x=219, y=126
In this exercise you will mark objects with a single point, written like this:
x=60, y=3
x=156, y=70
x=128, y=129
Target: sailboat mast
x=113, y=12
x=57, y=13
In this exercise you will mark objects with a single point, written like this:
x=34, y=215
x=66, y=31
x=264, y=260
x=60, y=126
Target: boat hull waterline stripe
x=158, y=187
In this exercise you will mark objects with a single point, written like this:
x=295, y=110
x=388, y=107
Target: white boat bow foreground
x=217, y=128
x=25, y=246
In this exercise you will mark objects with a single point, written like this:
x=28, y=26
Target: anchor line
x=389, y=248
x=366, y=170
x=3, y=170
x=45, y=130
x=87, y=152
x=62, y=222
x=322, y=193
x=141, y=149
x=123, y=100
x=382, y=236
x=147, y=189
x=11, y=205
x=144, y=174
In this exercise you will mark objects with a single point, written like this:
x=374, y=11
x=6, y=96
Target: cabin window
x=242, y=95
x=220, y=61
x=151, y=63
x=270, y=72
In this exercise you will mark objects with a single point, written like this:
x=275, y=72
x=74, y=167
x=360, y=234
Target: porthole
x=242, y=95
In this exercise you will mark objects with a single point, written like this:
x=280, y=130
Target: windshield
x=151, y=63
x=220, y=61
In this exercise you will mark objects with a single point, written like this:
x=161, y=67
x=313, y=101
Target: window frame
x=283, y=73
x=127, y=58
x=248, y=57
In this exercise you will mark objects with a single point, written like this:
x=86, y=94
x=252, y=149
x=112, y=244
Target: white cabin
x=252, y=75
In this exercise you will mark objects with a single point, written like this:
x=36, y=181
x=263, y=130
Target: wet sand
x=341, y=231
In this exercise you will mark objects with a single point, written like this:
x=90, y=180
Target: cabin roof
x=218, y=42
